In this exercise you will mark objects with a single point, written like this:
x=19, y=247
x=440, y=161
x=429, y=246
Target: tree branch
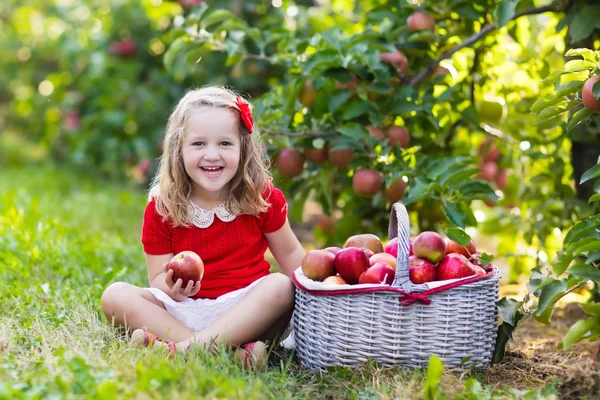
x=297, y=134
x=473, y=39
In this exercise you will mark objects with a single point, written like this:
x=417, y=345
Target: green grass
x=63, y=238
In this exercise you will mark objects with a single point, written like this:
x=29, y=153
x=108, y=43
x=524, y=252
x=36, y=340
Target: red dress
x=233, y=252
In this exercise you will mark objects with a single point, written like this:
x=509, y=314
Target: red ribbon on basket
x=407, y=299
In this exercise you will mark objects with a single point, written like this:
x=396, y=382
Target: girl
x=213, y=195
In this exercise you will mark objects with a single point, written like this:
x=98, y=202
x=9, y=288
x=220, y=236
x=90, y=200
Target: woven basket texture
x=459, y=325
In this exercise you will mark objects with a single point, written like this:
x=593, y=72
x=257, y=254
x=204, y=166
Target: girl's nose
x=211, y=153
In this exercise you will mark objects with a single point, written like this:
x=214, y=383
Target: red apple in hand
x=430, y=246
x=187, y=266
x=380, y=272
x=350, y=263
x=318, y=264
x=455, y=266
x=453, y=247
x=420, y=270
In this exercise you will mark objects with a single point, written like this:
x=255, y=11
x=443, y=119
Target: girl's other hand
x=178, y=291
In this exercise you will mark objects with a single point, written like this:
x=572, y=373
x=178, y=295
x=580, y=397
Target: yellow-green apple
x=430, y=246
x=379, y=272
x=589, y=100
x=366, y=240
x=392, y=247
x=332, y=249
x=340, y=158
x=453, y=247
x=187, y=266
x=419, y=21
x=395, y=190
x=397, y=59
x=318, y=264
x=308, y=94
x=398, y=134
x=290, y=163
x=350, y=262
x=384, y=258
x=336, y=280
x=454, y=266
x=420, y=270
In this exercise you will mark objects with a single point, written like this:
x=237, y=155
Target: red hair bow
x=245, y=113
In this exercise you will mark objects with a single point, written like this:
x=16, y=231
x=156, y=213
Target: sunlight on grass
x=63, y=239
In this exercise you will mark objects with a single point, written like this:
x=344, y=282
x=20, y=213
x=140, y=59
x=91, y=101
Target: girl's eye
x=198, y=144
x=226, y=143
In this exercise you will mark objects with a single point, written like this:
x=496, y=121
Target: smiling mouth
x=212, y=170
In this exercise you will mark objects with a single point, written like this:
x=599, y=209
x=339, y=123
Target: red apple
x=72, y=120
x=490, y=169
x=290, y=163
x=308, y=94
x=336, y=280
x=419, y=21
x=420, y=270
x=326, y=223
x=350, y=263
x=501, y=179
x=378, y=273
x=340, y=158
x=392, y=247
x=367, y=182
x=384, y=258
x=454, y=266
x=368, y=252
x=318, y=265
x=395, y=191
x=124, y=48
x=479, y=270
x=398, y=134
x=366, y=240
x=397, y=59
x=589, y=100
x=429, y=245
x=375, y=132
x=187, y=266
x=333, y=249
x=317, y=156
x=453, y=247
x=488, y=150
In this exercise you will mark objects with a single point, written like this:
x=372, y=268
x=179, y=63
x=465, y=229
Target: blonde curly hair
x=172, y=187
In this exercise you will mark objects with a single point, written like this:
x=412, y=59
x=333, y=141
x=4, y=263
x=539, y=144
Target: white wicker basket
x=400, y=324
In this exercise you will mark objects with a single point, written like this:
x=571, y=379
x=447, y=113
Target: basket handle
x=400, y=227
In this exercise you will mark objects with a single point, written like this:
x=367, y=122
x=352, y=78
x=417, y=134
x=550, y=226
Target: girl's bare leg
x=262, y=314
x=133, y=307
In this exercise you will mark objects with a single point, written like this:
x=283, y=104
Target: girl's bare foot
x=253, y=355
x=143, y=338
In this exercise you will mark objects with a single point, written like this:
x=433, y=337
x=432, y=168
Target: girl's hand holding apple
x=179, y=292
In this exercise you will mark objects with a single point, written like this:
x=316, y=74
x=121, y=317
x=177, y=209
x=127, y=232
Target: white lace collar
x=204, y=218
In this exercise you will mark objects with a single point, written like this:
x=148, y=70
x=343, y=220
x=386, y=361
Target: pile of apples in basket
x=364, y=259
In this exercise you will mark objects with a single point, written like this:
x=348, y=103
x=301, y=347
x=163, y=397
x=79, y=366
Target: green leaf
x=215, y=17
x=339, y=98
x=578, y=331
x=418, y=189
x=536, y=278
x=459, y=236
x=579, y=65
x=596, y=90
x=455, y=214
x=485, y=259
x=577, y=117
x=591, y=173
x=584, y=22
x=435, y=369
x=561, y=262
x=297, y=207
x=584, y=271
x=507, y=308
x=595, y=197
x=580, y=230
x=549, y=295
x=356, y=109
x=587, y=54
x=353, y=130
x=591, y=309
x=504, y=12
x=548, y=113
x=322, y=60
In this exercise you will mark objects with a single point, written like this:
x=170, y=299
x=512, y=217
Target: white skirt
x=197, y=314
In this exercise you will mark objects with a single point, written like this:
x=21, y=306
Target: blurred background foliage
x=89, y=84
